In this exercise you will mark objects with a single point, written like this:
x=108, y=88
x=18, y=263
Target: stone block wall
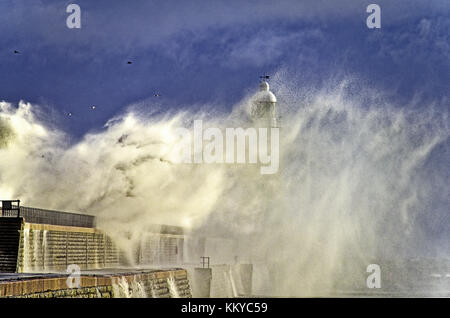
x=160, y=249
x=45, y=247
x=154, y=284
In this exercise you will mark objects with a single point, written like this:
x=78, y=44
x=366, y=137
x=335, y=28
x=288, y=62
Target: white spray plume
x=347, y=191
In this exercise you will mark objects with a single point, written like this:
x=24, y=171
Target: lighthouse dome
x=265, y=95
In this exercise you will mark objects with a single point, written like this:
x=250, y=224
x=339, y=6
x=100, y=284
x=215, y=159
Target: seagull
x=16, y=52
x=129, y=62
x=156, y=95
x=69, y=114
x=93, y=107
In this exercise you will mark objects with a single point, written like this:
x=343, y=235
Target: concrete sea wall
x=138, y=284
x=160, y=249
x=231, y=280
x=222, y=281
x=44, y=247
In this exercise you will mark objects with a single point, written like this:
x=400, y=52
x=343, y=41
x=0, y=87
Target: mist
x=354, y=169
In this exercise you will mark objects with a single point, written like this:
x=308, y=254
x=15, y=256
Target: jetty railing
x=12, y=208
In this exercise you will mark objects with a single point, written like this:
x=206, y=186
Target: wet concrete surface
x=96, y=272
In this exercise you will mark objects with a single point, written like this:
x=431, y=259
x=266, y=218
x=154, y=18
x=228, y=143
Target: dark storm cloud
x=202, y=51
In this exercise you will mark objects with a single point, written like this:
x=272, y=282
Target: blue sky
x=200, y=52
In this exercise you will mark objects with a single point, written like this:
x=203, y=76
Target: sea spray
x=44, y=248
x=26, y=250
x=357, y=182
x=37, y=250
x=137, y=289
x=123, y=289
x=172, y=285
x=229, y=273
x=153, y=293
x=120, y=288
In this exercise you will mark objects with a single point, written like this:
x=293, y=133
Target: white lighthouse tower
x=264, y=102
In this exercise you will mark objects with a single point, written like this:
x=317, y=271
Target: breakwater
x=45, y=247
x=122, y=283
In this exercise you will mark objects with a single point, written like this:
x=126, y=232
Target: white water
x=232, y=282
x=138, y=290
x=35, y=245
x=37, y=250
x=26, y=256
x=360, y=179
x=152, y=289
x=173, y=289
x=44, y=248
x=121, y=288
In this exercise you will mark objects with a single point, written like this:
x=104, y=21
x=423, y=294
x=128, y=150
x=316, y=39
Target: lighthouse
x=263, y=111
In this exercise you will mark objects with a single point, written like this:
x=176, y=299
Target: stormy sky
x=200, y=52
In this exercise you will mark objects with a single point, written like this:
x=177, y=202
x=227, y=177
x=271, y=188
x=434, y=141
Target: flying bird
x=16, y=52
x=69, y=114
x=156, y=95
x=264, y=77
x=93, y=107
x=129, y=62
